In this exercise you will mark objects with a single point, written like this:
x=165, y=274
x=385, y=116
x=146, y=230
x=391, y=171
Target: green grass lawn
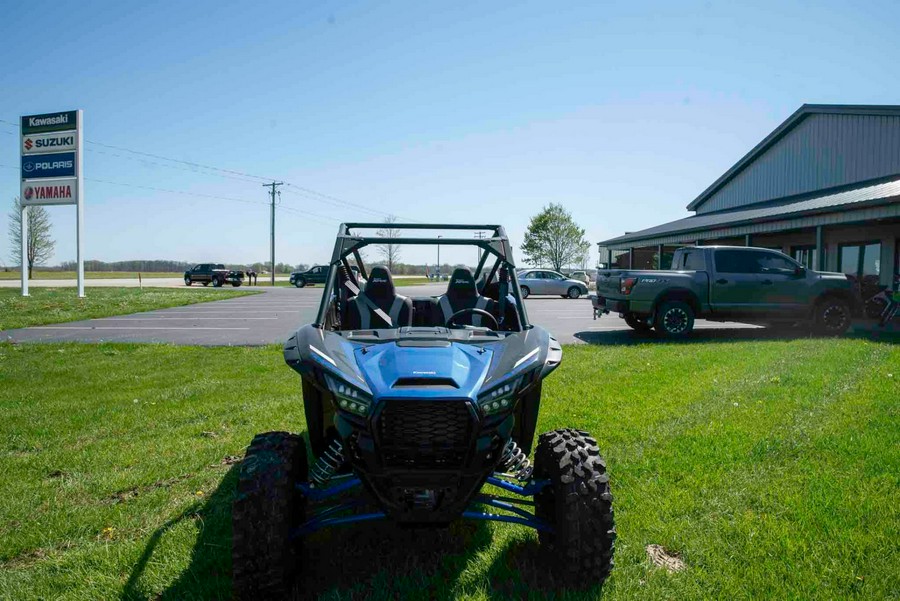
x=57, y=305
x=770, y=467
x=91, y=275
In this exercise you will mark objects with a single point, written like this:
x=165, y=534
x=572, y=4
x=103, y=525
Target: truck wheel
x=300, y=282
x=674, y=319
x=187, y=281
x=574, y=292
x=577, y=504
x=216, y=282
x=832, y=317
x=525, y=292
x=235, y=284
x=205, y=284
x=267, y=508
x=636, y=323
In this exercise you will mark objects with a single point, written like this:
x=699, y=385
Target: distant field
x=58, y=305
x=769, y=467
x=90, y=275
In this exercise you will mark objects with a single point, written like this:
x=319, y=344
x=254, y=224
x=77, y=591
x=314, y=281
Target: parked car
x=213, y=273
x=317, y=275
x=544, y=281
x=727, y=283
x=581, y=276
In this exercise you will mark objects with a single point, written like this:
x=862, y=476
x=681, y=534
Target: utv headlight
x=348, y=398
x=500, y=398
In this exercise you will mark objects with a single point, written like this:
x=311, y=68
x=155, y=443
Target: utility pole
x=273, y=185
x=479, y=236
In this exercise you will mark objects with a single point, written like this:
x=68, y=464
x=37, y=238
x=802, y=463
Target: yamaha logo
x=29, y=193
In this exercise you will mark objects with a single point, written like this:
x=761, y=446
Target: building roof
x=781, y=131
x=865, y=193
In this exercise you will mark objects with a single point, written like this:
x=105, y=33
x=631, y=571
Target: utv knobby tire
x=577, y=504
x=267, y=507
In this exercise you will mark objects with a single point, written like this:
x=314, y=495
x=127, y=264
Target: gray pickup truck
x=727, y=283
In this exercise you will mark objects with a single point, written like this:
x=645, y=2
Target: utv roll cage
x=348, y=244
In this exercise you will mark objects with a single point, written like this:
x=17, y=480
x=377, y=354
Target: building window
x=862, y=264
x=806, y=256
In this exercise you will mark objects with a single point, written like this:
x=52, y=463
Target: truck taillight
x=627, y=285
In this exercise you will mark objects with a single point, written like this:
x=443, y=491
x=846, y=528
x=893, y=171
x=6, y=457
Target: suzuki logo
x=28, y=144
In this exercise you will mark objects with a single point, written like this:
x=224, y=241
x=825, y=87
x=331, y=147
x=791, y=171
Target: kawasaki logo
x=55, y=120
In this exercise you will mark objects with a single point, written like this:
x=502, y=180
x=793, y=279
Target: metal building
x=824, y=187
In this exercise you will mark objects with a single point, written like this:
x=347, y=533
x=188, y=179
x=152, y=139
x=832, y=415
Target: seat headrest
x=380, y=284
x=462, y=284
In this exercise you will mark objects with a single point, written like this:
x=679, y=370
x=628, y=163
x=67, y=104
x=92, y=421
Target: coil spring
x=515, y=461
x=327, y=464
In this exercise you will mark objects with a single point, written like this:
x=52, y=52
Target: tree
x=389, y=251
x=40, y=245
x=553, y=237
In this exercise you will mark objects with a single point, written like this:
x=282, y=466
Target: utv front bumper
x=424, y=460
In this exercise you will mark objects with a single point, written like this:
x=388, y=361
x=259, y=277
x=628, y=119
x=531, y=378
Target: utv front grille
x=424, y=434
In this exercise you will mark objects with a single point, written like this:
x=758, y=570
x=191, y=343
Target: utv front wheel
x=267, y=508
x=577, y=504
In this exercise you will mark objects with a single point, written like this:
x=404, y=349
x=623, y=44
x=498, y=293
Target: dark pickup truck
x=317, y=275
x=727, y=283
x=213, y=273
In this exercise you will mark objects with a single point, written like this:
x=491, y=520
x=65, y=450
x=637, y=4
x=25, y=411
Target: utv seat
x=379, y=305
x=463, y=294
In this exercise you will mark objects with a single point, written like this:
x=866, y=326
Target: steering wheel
x=451, y=323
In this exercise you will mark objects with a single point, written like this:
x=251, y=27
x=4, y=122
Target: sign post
x=52, y=174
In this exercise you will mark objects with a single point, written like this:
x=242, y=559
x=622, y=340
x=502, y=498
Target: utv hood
x=447, y=370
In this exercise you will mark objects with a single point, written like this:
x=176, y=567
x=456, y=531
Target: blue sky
x=433, y=111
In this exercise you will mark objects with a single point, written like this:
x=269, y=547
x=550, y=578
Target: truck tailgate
x=608, y=283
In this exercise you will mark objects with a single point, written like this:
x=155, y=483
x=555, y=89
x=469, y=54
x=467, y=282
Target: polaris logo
x=378, y=280
x=30, y=166
x=424, y=373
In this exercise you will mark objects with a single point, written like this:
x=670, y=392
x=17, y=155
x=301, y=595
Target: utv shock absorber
x=516, y=462
x=327, y=464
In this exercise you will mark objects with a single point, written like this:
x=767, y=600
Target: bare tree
x=389, y=251
x=40, y=244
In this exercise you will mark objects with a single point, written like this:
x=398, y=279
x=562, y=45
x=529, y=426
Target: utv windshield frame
x=349, y=244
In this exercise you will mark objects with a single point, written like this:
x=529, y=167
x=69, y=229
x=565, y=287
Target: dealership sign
x=52, y=142
x=50, y=192
x=39, y=166
x=64, y=121
x=51, y=153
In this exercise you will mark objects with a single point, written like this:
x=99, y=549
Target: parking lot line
x=127, y=328
x=133, y=318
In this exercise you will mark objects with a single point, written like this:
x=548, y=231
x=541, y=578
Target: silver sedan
x=544, y=281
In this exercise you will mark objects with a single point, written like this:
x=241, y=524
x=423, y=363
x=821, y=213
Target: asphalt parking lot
x=272, y=316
